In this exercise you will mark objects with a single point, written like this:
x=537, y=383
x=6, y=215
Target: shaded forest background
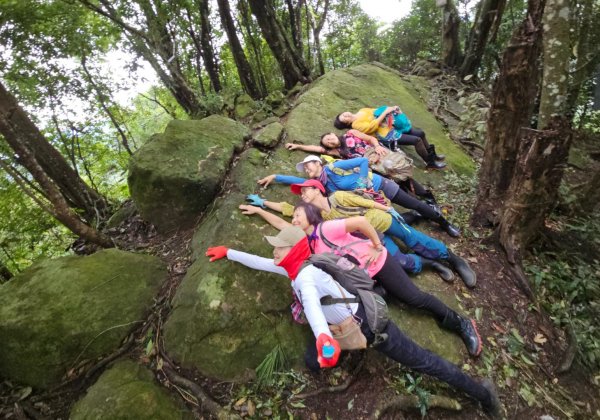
x=531, y=99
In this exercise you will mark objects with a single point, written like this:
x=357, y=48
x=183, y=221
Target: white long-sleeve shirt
x=311, y=285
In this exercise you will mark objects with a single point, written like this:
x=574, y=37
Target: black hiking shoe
x=444, y=272
x=492, y=406
x=431, y=149
x=467, y=329
x=463, y=269
x=433, y=164
x=450, y=229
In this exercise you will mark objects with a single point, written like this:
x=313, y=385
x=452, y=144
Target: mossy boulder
x=244, y=106
x=226, y=317
x=62, y=311
x=270, y=135
x=176, y=174
x=128, y=391
x=371, y=85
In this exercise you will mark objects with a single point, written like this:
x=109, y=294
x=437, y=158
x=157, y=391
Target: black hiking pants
x=398, y=195
x=403, y=350
x=396, y=282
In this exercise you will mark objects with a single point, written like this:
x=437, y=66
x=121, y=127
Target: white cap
x=309, y=158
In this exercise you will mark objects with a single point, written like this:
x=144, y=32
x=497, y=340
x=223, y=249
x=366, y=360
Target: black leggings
x=402, y=349
x=416, y=137
x=396, y=282
x=406, y=200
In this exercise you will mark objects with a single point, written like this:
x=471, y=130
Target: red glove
x=216, y=252
x=322, y=340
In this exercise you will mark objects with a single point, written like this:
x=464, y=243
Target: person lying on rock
x=384, y=218
x=291, y=250
x=335, y=236
x=393, y=128
x=393, y=165
x=353, y=174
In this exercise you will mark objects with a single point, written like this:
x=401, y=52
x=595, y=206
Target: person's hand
x=323, y=340
x=248, y=209
x=373, y=253
x=255, y=200
x=390, y=109
x=264, y=182
x=381, y=151
x=292, y=146
x=216, y=252
x=395, y=214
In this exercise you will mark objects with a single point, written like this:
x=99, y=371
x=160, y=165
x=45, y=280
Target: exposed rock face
x=270, y=135
x=127, y=391
x=62, y=311
x=177, y=174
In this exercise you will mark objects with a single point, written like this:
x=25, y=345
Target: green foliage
x=568, y=289
x=413, y=37
x=273, y=363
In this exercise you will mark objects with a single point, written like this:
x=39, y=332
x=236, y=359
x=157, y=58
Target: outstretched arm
x=249, y=260
x=275, y=221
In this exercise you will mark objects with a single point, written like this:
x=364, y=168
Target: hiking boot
x=444, y=272
x=463, y=269
x=412, y=216
x=431, y=149
x=466, y=328
x=449, y=228
x=492, y=406
x=433, y=164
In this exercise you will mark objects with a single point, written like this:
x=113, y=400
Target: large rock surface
x=128, y=391
x=62, y=311
x=177, y=174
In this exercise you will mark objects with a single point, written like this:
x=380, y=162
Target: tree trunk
x=245, y=17
x=317, y=27
x=243, y=66
x=295, y=14
x=293, y=68
x=556, y=61
x=5, y=273
x=596, y=104
x=60, y=208
x=451, y=27
x=511, y=109
x=20, y=131
x=489, y=11
x=210, y=61
x=533, y=192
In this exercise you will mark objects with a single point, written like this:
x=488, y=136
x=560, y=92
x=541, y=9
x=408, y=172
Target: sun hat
x=309, y=158
x=288, y=236
x=296, y=188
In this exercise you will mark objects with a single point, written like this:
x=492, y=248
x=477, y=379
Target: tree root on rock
x=411, y=402
x=207, y=403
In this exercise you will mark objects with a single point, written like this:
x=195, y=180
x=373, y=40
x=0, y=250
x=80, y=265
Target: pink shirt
x=335, y=231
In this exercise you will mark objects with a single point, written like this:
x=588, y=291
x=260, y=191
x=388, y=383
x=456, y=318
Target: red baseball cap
x=308, y=183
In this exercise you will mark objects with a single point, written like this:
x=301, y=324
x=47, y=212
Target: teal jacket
x=401, y=121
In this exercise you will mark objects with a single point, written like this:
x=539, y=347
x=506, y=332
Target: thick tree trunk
x=511, y=109
x=489, y=11
x=20, y=131
x=295, y=14
x=451, y=27
x=210, y=61
x=292, y=65
x=245, y=72
x=533, y=192
x=556, y=61
x=317, y=27
x=60, y=208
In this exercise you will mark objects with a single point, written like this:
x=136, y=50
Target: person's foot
x=463, y=269
x=470, y=336
x=452, y=230
x=440, y=157
x=492, y=406
x=444, y=272
x=433, y=164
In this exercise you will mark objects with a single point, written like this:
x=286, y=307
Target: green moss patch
x=60, y=312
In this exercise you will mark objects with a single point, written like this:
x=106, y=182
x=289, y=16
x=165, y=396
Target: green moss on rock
x=59, y=312
x=128, y=391
x=175, y=175
x=270, y=135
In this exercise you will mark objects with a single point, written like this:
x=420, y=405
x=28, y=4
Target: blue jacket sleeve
x=289, y=179
x=349, y=164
